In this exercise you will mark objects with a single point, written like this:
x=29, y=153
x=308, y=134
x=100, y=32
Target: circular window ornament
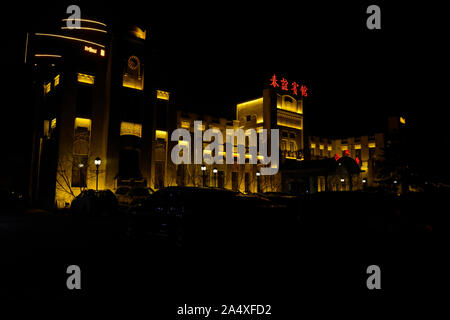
x=133, y=62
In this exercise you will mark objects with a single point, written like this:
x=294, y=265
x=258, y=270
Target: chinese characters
x=285, y=86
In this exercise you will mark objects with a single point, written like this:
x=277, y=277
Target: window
x=220, y=181
x=132, y=129
x=234, y=181
x=85, y=78
x=249, y=118
x=247, y=182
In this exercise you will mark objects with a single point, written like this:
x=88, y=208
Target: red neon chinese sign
x=285, y=86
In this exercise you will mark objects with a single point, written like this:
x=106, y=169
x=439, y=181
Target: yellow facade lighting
x=47, y=87
x=53, y=123
x=321, y=147
x=185, y=124
x=69, y=38
x=47, y=55
x=329, y=148
x=402, y=120
x=56, y=80
x=85, y=28
x=83, y=123
x=313, y=145
x=357, y=146
x=343, y=148
x=249, y=103
x=86, y=20
x=139, y=33
x=372, y=145
x=293, y=126
x=85, y=78
x=162, y=95
x=161, y=134
x=130, y=129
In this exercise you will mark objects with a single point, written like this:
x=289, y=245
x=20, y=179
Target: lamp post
x=215, y=177
x=258, y=185
x=203, y=167
x=97, y=163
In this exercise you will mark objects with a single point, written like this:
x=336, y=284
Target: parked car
x=94, y=203
x=127, y=195
x=189, y=216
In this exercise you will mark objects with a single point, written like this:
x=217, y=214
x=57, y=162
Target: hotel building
x=92, y=103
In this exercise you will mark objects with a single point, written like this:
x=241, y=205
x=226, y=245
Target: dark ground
x=318, y=272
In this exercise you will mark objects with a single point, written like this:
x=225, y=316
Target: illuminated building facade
x=92, y=102
x=89, y=93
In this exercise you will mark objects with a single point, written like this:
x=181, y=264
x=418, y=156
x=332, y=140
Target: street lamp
x=258, y=186
x=215, y=177
x=97, y=163
x=203, y=167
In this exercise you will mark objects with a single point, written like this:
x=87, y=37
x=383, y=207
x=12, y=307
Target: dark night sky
x=215, y=54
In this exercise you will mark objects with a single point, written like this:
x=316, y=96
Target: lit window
x=185, y=124
x=47, y=87
x=162, y=95
x=160, y=134
x=57, y=80
x=130, y=129
x=85, y=78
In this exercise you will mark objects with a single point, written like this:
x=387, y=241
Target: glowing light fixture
x=85, y=28
x=68, y=38
x=86, y=20
x=402, y=120
x=47, y=55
